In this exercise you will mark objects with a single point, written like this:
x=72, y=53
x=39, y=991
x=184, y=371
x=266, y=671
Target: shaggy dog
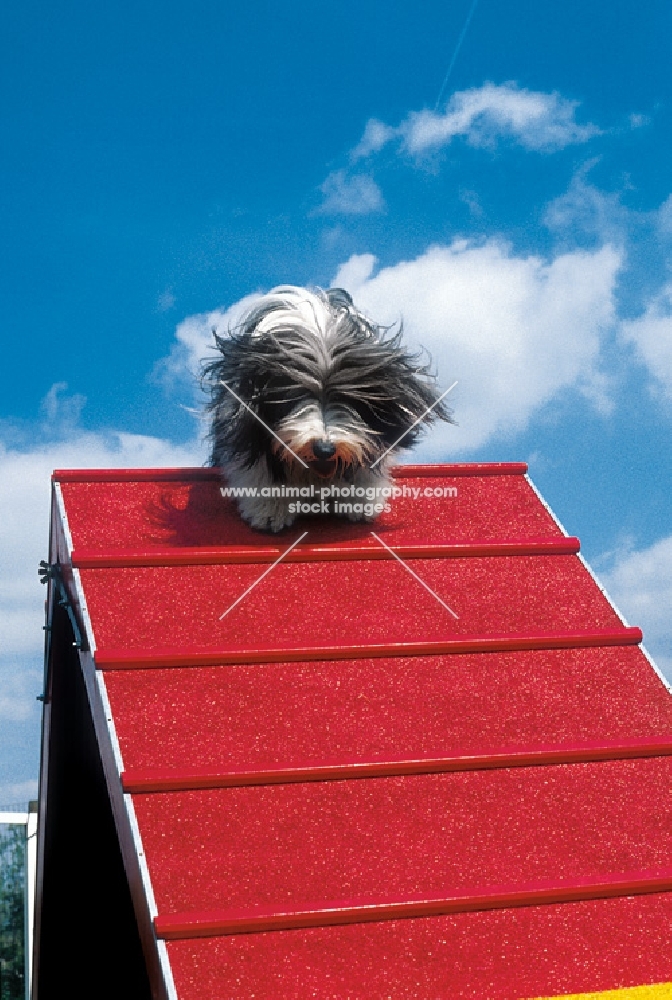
x=310, y=399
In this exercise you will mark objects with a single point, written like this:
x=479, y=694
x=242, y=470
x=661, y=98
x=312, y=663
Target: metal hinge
x=52, y=571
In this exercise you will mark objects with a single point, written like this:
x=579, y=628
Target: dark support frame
x=87, y=941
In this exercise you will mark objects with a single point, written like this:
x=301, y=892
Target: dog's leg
x=265, y=513
x=377, y=479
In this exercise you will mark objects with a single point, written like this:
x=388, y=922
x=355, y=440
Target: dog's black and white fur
x=336, y=389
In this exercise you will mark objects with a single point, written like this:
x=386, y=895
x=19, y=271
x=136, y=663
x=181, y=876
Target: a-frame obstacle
x=430, y=763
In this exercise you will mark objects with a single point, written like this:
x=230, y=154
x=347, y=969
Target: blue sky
x=161, y=161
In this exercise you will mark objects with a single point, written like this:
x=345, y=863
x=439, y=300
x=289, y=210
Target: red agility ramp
x=420, y=758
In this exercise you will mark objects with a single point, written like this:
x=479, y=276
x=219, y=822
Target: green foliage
x=12, y=889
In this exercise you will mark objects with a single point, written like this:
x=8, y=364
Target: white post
x=29, y=823
x=31, y=870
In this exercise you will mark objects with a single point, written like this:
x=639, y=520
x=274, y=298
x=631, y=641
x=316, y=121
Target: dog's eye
x=364, y=409
x=381, y=416
x=278, y=409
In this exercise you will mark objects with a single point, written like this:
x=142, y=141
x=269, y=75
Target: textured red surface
x=201, y=473
x=175, y=656
x=156, y=555
x=308, y=843
x=179, y=779
x=373, y=909
x=112, y=515
x=388, y=836
x=291, y=712
x=498, y=955
x=155, y=607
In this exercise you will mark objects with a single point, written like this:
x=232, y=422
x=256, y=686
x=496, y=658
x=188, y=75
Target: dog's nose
x=323, y=450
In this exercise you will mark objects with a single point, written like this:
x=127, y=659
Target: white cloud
x=355, y=272
x=472, y=201
x=19, y=688
x=376, y=135
x=356, y=194
x=17, y=793
x=585, y=209
x=641, y=585
x=195, y=342
x=664, y=217
x=515, y=331
x=482, y=115
x=166, y=300
x=636, y=120
x=24, y=514
x=538, y=121
x=651, y=334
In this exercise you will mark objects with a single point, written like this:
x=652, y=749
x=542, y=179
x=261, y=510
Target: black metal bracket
x=52, y=572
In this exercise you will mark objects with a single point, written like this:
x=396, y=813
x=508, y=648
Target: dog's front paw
x=368, y=518
x=266, y=514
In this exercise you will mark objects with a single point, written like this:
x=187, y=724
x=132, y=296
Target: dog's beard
x=309, y=427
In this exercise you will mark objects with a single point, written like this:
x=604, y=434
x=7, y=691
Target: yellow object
x=658, y=991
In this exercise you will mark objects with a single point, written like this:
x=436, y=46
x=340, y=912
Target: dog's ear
x=393, y=390
x=414, y=400
x=338, y=298
x=232, y=381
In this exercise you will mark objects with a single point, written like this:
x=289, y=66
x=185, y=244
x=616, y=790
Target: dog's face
x=333, y=389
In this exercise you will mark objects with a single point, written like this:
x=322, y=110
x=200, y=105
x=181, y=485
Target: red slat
x=536, y=951
x=138, y=780
x=186, y=474
x=212, y=472
x=121, y=659
x=272, y=918
x=182, y=778
x=215, y=555
x=460, y=469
